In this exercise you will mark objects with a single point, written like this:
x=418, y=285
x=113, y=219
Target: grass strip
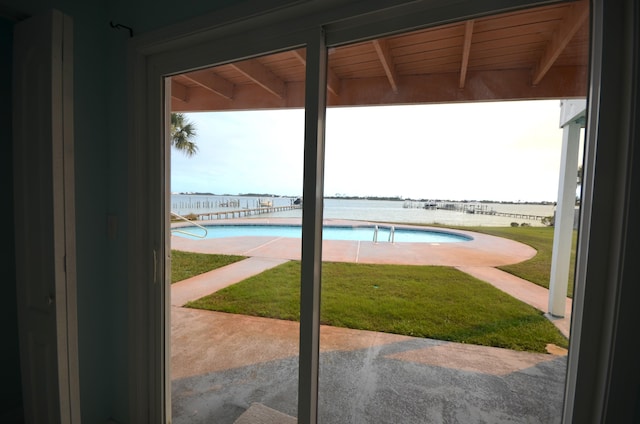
x=423, y=301
x=185, y=264
x=537, y=269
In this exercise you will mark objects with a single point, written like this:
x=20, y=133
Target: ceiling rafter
x=486, y=85
x=575, y=17
x=384, y=55
x=464, y=61
x=333, y=82
x=300, y=55
x=466, y=49
x=179, y=91
x=262, y=76
x=212, y=82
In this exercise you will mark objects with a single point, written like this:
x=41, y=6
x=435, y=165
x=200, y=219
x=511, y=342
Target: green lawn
x=426, y=301
x=423, y=301
x=185, y=265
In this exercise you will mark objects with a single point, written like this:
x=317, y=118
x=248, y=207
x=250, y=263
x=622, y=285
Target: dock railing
x=239, y=213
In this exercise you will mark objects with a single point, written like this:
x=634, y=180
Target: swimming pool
x=329, y=232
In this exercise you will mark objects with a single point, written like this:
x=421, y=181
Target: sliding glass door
x=388, y=329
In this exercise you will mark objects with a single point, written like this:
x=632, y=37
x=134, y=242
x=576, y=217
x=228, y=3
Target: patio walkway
x=210, y=282
x=523, y=290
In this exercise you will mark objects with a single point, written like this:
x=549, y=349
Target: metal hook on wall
x=120, y=26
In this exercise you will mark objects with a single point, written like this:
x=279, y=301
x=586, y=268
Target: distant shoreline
x=387, y=198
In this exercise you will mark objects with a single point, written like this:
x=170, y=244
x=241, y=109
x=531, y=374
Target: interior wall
x=101, y=375
x=147, y=15
x=11, y=387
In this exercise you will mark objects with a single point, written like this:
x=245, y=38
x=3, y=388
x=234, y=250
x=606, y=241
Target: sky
x=502, y=151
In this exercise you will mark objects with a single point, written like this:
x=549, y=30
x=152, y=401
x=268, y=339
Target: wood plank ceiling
x=539, y=53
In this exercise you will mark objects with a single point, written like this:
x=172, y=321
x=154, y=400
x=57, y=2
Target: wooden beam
x=301, y=55
x=245, y=97
x=466, y=49
x=179, y=91
x=560, y=82
x=384, y=55
x=515, y=84
x=333, y=82
x=262, y=76
x=574, y=19
x=212, y=82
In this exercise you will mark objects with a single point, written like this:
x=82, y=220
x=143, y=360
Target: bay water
x=396, y=211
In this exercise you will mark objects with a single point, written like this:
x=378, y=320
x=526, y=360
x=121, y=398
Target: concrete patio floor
x=221, y=364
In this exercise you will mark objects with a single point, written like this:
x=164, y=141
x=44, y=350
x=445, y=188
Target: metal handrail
x=178, y=230
x=375, y=234
x=392, y=234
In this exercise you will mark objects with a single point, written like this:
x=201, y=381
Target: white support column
x=565, y=210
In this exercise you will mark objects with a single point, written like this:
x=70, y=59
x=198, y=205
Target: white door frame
x=232, y=35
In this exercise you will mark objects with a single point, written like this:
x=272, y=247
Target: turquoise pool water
x=361, y=233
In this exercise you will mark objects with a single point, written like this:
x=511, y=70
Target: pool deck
x=212, y=352
x=484, y=250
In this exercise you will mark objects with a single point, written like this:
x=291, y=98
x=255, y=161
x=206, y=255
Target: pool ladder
x=392, y=234
x=178, y=230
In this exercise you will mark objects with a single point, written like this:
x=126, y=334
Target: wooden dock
x=239, y=213
x=482, y=209
x=511, y=215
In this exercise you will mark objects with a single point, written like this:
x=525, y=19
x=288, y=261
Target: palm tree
x=182, y=131
x=579, y=186
x=580, y=175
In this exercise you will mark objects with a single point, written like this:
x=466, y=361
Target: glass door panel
x=237, y=139
x=442, y=169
